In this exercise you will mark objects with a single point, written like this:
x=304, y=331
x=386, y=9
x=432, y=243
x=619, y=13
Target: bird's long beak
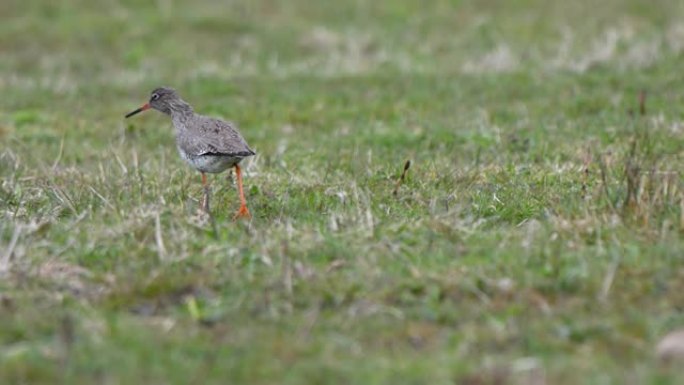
x=145, y=106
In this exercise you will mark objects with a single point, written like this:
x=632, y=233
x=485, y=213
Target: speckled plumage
x=207, y=144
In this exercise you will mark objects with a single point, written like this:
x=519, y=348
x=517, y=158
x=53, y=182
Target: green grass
x=536, y=239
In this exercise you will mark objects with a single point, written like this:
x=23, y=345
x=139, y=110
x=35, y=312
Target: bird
x=207, y=144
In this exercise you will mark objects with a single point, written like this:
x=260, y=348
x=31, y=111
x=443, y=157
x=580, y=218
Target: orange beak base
x=145, y=106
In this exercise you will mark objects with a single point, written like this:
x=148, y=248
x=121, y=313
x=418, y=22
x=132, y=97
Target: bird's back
x=203, y=135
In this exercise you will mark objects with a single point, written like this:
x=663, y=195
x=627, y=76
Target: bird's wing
x=217, y=137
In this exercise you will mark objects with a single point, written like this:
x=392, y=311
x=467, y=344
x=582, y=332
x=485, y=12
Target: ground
x=536, y=238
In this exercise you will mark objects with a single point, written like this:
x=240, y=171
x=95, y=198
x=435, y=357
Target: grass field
x=537, y=238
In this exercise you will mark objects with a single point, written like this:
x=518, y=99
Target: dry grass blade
x=161, y=250
x=59, y=154
x=9, y=252
x=102, y=198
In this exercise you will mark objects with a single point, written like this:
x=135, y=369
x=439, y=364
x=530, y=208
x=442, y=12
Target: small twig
x=407, y=165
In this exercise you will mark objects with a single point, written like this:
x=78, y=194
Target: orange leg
x=243, y=212
x=205, y=199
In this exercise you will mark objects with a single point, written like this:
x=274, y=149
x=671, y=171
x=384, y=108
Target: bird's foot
x=242, y=213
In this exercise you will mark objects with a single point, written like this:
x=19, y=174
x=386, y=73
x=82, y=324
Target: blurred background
x=84, y=47
x=95, y=59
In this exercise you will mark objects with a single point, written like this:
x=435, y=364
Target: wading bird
x=207, y=144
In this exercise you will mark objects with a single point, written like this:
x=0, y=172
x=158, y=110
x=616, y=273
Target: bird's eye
x=155, y=97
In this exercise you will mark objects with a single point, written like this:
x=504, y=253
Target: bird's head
x=163, y=99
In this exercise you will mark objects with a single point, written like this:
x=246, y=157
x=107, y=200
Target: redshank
x=207, y=144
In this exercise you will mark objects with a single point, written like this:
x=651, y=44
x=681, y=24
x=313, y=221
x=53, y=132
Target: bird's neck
x=180, y=110
x=182, y=121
